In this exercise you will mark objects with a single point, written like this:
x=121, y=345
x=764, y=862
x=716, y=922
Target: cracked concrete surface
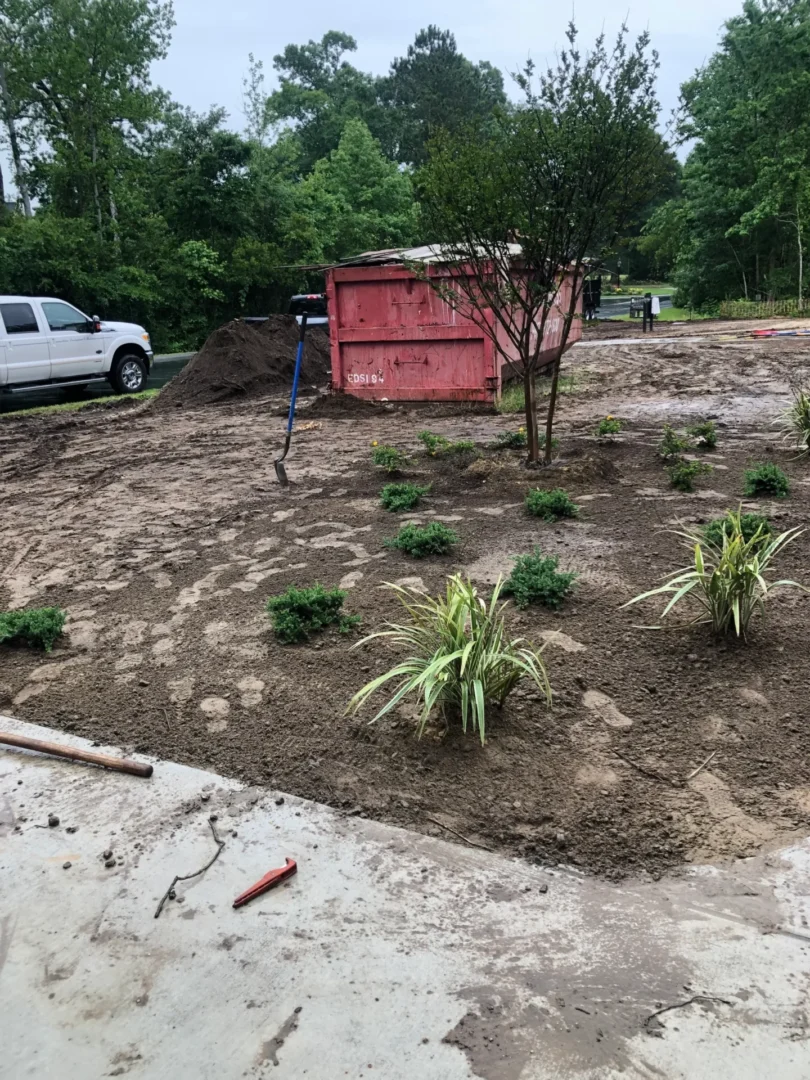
x=389, y=954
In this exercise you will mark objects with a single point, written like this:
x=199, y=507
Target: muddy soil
x=162, y=535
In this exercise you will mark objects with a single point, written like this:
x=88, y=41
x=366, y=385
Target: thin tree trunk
x=530, y=396
x=114, y=219
x=2, y=193
x=801, y=256
x=16, y=155
x=96, y=193
x=552, y=405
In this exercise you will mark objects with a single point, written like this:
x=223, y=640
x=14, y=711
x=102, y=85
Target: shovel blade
x=281, y=473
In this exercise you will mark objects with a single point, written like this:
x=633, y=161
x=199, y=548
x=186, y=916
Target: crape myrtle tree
x=540, y=197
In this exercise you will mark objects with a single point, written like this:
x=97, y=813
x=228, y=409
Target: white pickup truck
x=45, y=343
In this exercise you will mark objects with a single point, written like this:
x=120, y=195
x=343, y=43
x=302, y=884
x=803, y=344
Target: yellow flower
x=374, y=443
x=608, y=417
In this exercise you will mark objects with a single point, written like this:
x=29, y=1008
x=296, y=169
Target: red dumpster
x=392, y=336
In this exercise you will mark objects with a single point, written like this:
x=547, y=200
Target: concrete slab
x=389, y=954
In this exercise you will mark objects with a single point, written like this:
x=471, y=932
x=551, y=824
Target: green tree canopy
x=357, y=199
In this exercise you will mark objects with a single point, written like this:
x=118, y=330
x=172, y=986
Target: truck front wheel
x=128, y=374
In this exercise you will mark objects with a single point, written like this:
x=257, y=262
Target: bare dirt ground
x=162, y=535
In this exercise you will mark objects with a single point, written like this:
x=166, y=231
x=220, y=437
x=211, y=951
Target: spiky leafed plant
x=795, y=422
x=460, y=657
x=727, y=578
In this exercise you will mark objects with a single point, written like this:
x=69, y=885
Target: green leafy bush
x=705, y=433
x=672, y=445
x=536, y=580
x=766, y=479
x=518, y=440
x=609, y=426
x=38, y=627
x=421, y=540
x=749, y=526
x=298, y=613
x=434, y=444
x=405, y=496
x=388, y=458
x=682, y=474
x=510, y=440
x=459, y=658
x=438, y=445
x=729, y=582
x=551, y=505
x=796, y=422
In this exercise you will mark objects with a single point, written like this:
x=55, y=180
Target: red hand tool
x=269, y=881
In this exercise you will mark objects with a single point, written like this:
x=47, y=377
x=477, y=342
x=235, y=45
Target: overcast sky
x=212, y=39
x=209, y=52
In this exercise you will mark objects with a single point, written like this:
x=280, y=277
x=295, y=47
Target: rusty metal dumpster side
x=392, y=336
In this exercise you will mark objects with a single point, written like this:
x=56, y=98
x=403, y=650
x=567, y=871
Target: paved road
x=620, y=305
x=163, y=370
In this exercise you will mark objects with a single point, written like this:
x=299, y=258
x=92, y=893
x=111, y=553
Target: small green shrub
x=38, y=627
x=434, y=444
x=748, y=526
x=672, y=445
x=419, y=541
x=536, y=580
x=796, y=422
x=461, y=446
x=405, y=496
x=705, y=433
x=766, y=479
x=518, y=440
x=682, y=474
x=388, y=458
x=609, y=426
x=437, y=445
x=551, y=505
x=298, y=613
x=510, y=440
x=459, y=657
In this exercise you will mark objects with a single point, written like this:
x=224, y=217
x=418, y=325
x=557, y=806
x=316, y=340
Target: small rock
x=213, y=817
x=143, y=682
x=543, y=888
x=692, y=658
x=72, y=828
x=205, y=797
x=53, y=820
x=109, y=863
x=280, y=800
x=107, y=854
x=66, y=865
x=298, y=1009
x=234, y=832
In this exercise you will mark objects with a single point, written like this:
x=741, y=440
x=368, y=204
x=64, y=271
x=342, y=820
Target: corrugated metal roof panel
x=427, y=253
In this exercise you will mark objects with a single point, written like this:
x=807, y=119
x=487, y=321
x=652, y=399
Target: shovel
x=281, y=472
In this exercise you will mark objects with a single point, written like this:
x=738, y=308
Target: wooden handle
x=57, y=750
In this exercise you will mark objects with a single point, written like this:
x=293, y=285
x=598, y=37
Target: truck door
x=74, y=350
x=27, y=356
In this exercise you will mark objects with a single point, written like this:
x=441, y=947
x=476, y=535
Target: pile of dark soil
x=241, y=360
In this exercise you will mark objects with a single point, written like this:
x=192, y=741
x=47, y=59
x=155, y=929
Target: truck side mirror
x=96, y=325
